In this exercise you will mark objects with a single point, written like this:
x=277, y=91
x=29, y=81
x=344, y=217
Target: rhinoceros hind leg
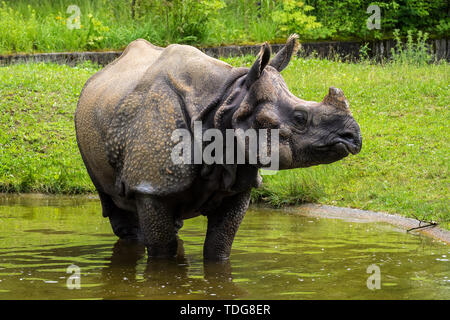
x=125, y=224
x=158, y=228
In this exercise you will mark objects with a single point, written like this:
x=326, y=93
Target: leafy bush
x=443, y=28
x=95, y=33
x=344, y=19
x=16, y=31
x=292, y=17
x=183, y=21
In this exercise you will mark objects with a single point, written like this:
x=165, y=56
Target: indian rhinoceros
x=127, y=113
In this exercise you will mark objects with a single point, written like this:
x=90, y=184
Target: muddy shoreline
x=364, y=216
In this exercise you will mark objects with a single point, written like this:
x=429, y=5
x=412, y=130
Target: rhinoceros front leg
x=223, y=223
x=157, y=226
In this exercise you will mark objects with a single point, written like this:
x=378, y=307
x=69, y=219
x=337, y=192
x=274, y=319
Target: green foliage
x=96, y=32
x=27, y=26
x=246, y=22
x=16, y=31
x=184, y=21
x=340, y=19
x=346, y=19
x=443, y=28
x=412, y=52
x=416, y=15
x=364, y=52
x=24, y=30
x=293, y=17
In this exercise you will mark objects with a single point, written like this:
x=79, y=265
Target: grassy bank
x=402, y=110
x=38, y=150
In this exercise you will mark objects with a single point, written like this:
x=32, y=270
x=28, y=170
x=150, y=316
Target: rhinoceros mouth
x=348, y=146
x=341, y=146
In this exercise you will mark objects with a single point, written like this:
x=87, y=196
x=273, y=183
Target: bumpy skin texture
x=128, y=111
x=158, y=226
x=223, y=225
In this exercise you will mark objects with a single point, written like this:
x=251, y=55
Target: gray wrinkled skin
x=126, y=115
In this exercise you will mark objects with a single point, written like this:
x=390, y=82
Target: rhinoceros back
x=124, y=121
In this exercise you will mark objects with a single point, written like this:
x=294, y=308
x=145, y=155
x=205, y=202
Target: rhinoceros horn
x=337, y=99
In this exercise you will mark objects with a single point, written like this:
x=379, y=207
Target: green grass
x=38, y=149
x=402, y=110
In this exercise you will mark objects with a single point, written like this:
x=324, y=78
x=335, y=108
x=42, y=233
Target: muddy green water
x=275, y=256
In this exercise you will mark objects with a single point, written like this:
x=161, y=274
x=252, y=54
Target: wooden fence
x=346, y=50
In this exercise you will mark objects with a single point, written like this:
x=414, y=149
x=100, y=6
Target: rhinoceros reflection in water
x=128, y=111
x=163, y=278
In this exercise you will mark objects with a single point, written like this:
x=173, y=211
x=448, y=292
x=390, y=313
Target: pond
x=275, y=255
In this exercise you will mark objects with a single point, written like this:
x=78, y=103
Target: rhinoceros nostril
x=349, y=136
x=352, y=140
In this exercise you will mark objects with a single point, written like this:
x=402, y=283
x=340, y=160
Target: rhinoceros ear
x=282, y=58
x=261, y=62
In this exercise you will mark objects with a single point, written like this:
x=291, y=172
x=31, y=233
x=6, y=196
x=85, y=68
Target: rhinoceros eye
x=300, y=118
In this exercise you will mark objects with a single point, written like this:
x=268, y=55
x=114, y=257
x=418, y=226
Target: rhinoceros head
x=310, y=133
